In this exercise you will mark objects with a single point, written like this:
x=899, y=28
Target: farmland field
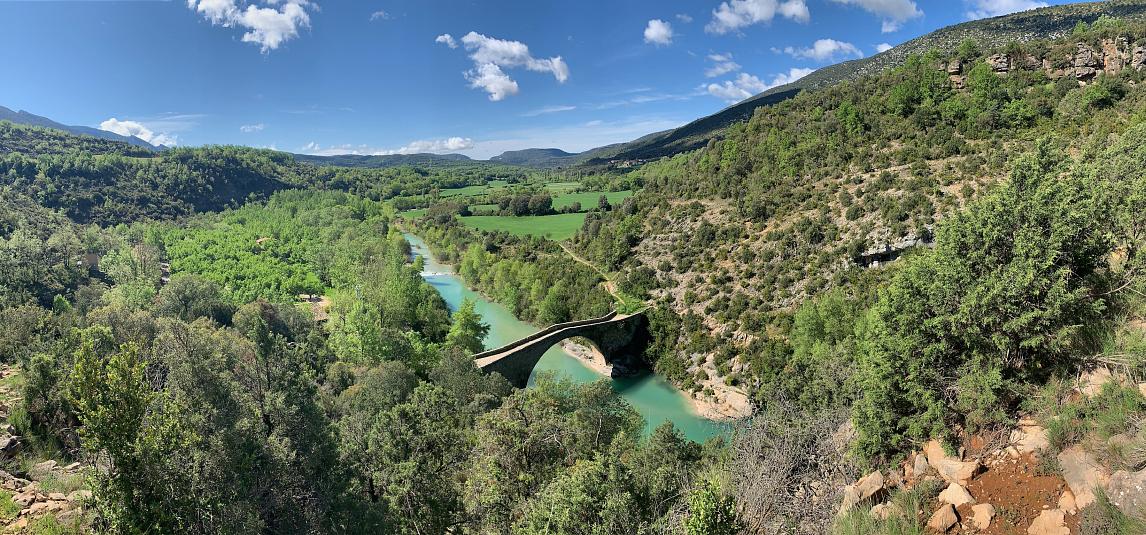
x=554, y=227
x=588, y=200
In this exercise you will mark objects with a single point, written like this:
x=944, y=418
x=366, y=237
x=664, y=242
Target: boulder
x=1049, y=522
x=1066, y=502
x=1082, y=474
x=982, y=515
x=1090, y=383
x=58, y=496
x=955, y=67
x=956, y=495
x=44, y=467
x=1085, y=56
x=864, y=489
x=943, y=518
x=884, y=511
x=1029, y=437
x=10, y=446
x=999, y=62
x=950, y=469
x=920, y=468
x=1127, y=491
x=1138, y=57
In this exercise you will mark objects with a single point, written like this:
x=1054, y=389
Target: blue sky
x=385, y=76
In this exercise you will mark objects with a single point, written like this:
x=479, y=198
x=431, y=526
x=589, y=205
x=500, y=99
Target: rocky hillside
x=812, y=194
x=1028, y=26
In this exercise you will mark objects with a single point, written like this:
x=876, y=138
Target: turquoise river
x=653, y=397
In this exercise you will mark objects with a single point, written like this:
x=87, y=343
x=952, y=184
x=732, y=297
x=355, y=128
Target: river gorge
x=656, y=399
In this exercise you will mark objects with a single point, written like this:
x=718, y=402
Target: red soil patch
x=1018, y=494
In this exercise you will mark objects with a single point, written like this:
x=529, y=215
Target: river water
x=656, y=399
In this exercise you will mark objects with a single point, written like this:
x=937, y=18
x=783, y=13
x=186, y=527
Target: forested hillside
x=106, y=182
x=1022, y=27
x=813, y=193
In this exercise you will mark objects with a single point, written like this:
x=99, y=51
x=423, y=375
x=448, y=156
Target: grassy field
x=557, y=188
x=475, y=190
x=589, y=200
x=554, y=227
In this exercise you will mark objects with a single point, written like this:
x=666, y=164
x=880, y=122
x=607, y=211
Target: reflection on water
x=656, y=399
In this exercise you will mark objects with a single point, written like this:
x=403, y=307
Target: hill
x=1023, y=27
x=536, y=157
x=25, y=118
x=383, y=161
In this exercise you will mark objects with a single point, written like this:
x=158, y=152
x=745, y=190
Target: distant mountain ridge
x=1044, y=23
x=31, y=119
x=384, y=160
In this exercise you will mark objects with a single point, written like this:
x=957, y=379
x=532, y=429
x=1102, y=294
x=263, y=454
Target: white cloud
x=746, y=85
x=981, y=9
x=133, y=128
x=883, y=47
x=824, y=49
x=893, y=12
x=434, y=146
x=268, y=25
x=722, y=64
x=490, y=78
x=658, y=32
x=251, y=128
x=446, y=39
x=547, y=110
x=684, y=17
x=735, y=14
x=491, y=56
x=380, y=14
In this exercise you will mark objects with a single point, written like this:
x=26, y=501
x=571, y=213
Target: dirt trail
x=610, y=286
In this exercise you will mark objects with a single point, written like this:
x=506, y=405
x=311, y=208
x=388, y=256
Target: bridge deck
x=546, y=336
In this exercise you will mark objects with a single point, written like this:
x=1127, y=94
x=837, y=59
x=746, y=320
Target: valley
x=898, y=294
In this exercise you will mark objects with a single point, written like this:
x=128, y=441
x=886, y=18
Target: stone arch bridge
x=622, y=338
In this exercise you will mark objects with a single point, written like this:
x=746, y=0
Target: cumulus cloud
x=269, y=24
x=435, y=146
x=133, y=128
x=981, y=9
x=824, y=49
x=732, y=15
x=251, y=128
x=746, y=85
x=379, y=15
x=883, y=47
x=893, y=12
x=492, y=56
x=490, y=78
x=722, y=64
x=684, y=17
x=658, y=32
x=446, y=39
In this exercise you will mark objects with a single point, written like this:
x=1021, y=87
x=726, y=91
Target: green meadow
x=554, y=227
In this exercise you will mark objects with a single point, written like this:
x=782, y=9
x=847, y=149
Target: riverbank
x=653, y=396
x=726, y=404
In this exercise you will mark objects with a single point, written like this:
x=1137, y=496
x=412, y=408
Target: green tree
x=467, y=332
x=710, y=512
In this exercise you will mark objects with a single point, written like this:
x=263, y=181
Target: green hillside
x=1027, y=26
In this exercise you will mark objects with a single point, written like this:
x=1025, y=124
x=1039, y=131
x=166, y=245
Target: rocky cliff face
x=1110, y=57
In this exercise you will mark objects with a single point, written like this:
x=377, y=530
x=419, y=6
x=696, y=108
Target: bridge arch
x=621, y=338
